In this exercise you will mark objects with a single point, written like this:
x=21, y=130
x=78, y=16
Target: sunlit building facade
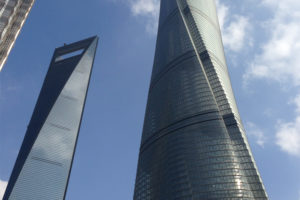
x=193, y=144
x=13, y=14
x=43, y=166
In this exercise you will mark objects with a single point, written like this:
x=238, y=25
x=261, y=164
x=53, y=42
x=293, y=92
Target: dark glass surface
x=193, y=144
x=44, y=162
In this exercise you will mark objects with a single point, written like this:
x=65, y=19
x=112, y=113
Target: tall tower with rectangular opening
x=193, y=144
x=43, y=166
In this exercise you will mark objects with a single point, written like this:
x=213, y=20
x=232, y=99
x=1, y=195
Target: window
x=69, y=55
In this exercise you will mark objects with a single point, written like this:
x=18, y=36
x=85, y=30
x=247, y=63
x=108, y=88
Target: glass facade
x=44, y=162
x=13, y=14
x=193, y=143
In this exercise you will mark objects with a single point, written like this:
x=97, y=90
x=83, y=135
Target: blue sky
x=262, y=45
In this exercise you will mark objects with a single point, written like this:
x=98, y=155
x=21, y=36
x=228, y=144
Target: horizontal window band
x=59, y=127
x=204, y=55
x=226, y=190
x=232, y=172
x=81, y=72
x=186, y=118
x=226, y=159
x=171, y=65
x=233, y=175
x=151, y=141
x=69, y=97
x=209, y=164
x=47, y=161
x=223, y=153
x=220, y=183
x=152, y=138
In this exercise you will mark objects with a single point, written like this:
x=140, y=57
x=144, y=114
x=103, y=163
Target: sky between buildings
x=262, y=46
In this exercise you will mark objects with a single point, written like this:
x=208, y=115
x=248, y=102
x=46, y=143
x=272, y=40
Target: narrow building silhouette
x=43, y=166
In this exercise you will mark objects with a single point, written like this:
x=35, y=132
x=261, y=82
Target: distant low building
x=13, y=14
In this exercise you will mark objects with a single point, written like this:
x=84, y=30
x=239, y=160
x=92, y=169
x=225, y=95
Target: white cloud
x=288, y=137
x=149, y=11
x=288, y=133
x=145, y=7
x=222, y=14
x=279, y=58
x=3, y=185
x=256, y=133
x=234, y=28
x=234, y=34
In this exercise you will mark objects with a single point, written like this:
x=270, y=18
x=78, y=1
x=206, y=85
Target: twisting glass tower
x=43, y=166
x=13, y=14
x=193, y=144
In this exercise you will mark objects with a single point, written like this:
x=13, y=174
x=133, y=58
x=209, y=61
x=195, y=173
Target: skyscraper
x=43, y=166
x=193, y=144
x=13, y=14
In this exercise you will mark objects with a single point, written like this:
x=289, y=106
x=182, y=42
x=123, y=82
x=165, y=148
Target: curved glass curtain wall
x=193, y=144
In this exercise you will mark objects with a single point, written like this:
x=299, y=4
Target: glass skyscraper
x=43, y=166
x=13, y=14
x=193, y=145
